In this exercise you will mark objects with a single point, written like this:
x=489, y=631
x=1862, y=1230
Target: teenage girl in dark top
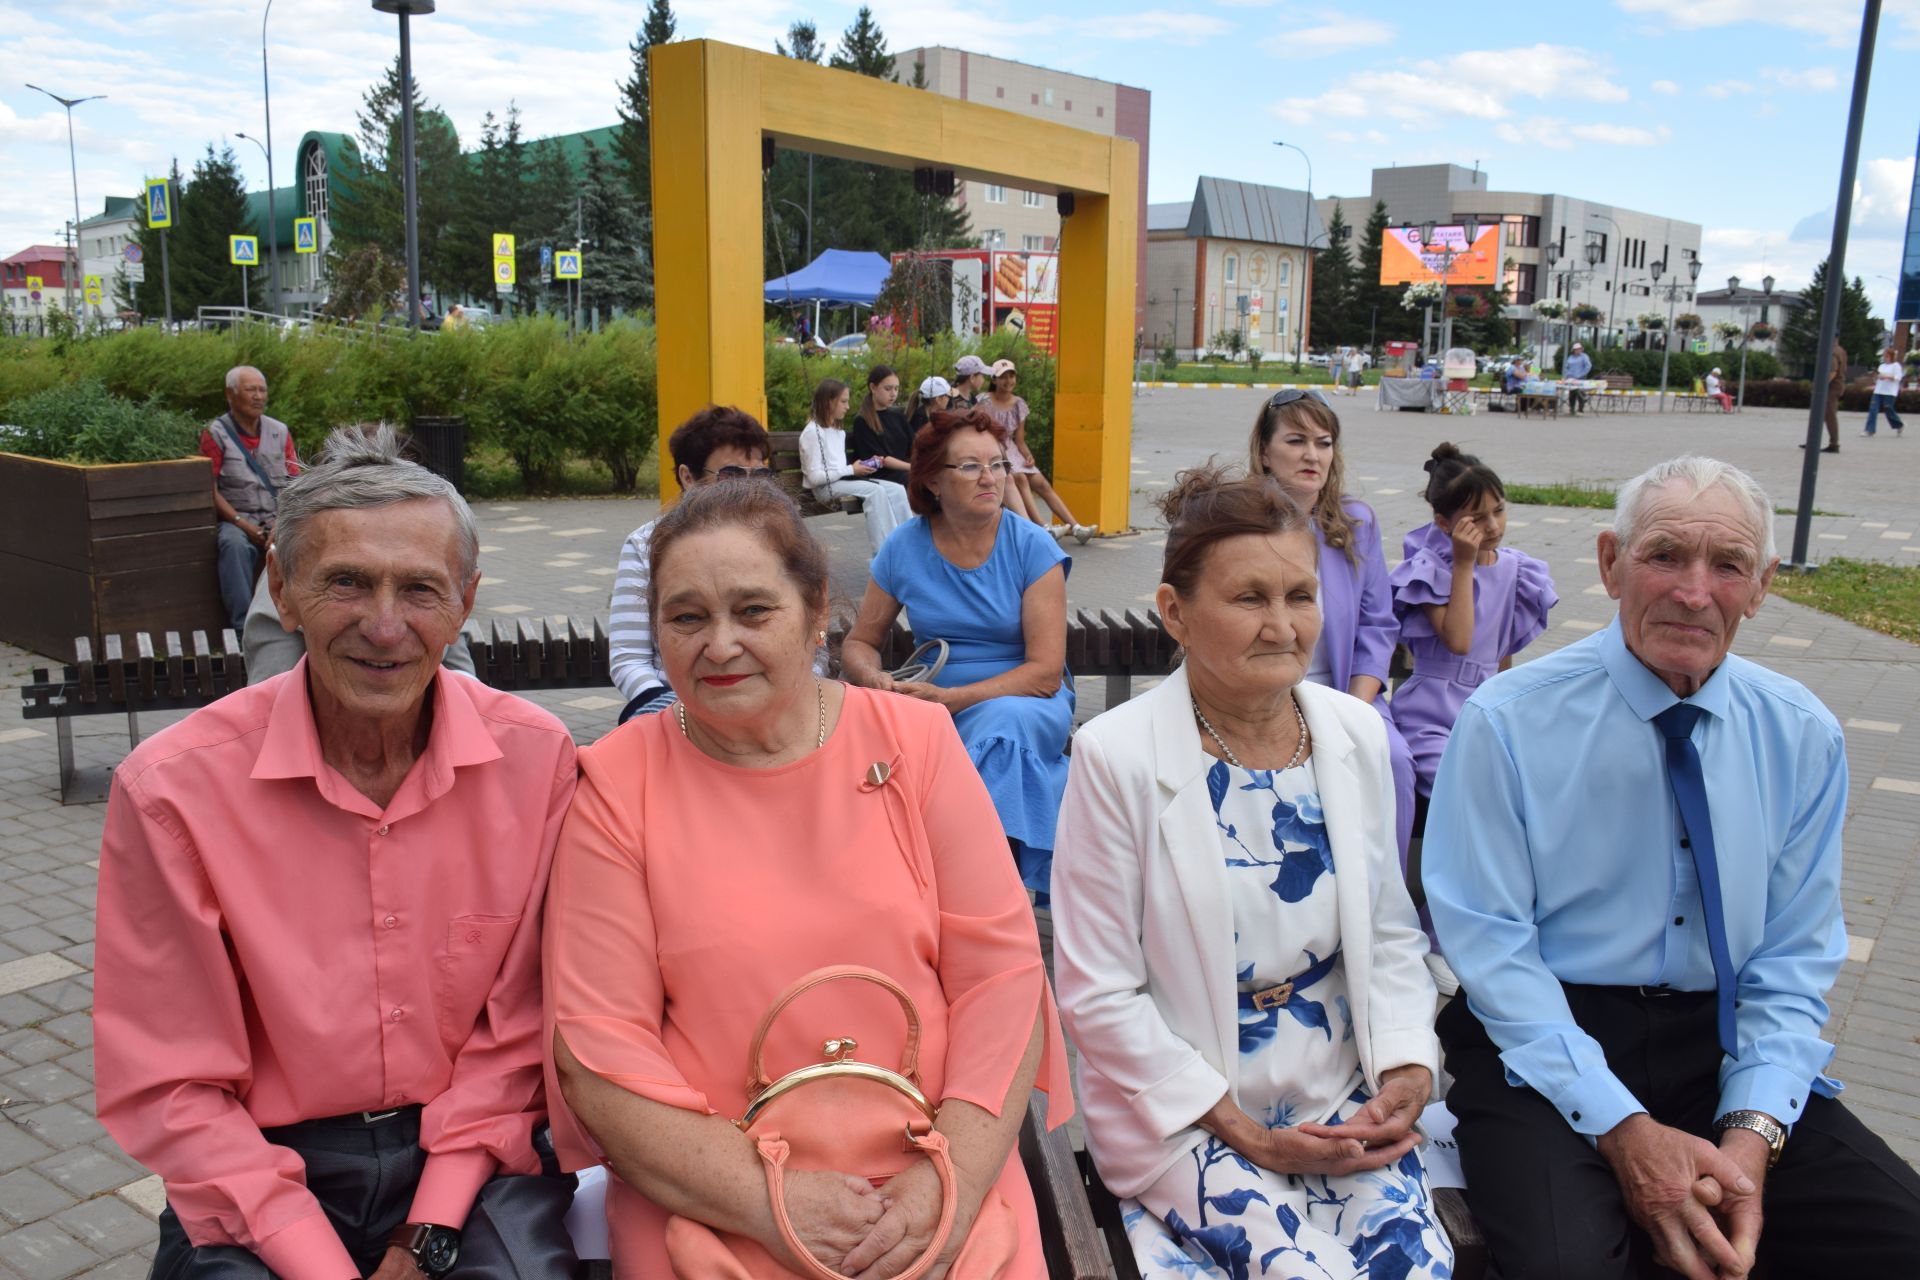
x=879, y=430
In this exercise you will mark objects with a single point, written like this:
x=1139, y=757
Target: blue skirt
x=1018, y=745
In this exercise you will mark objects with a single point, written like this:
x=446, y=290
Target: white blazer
x=1143, y=922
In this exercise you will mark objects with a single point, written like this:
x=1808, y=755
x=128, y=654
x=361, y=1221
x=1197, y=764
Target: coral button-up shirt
x=275, y=947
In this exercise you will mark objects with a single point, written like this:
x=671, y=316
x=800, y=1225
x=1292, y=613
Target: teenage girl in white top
x=828, y=472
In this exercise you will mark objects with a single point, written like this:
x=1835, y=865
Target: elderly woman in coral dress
x=773, y=824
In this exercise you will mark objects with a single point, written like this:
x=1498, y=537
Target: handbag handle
x=757, y=1079
x=933, y=1144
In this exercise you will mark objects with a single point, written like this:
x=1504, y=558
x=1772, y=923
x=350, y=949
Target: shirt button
x=382, y=831
x=1679, y=919
x=1685, y=843
x=1576, y=1116
x=398, y=1014
x=391, y=921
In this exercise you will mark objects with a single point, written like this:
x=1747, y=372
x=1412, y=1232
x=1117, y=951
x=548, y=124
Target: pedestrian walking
x=1886, y=391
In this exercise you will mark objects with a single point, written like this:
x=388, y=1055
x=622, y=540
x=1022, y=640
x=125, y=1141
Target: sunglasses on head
x=1287, y=397
x=738, y=473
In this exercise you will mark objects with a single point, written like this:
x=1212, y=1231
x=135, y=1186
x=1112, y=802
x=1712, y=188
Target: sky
x=1728, y=113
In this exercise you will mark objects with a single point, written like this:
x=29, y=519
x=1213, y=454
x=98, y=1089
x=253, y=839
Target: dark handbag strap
x=233, y=433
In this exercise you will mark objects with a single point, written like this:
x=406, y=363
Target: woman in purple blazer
x=1296, y=440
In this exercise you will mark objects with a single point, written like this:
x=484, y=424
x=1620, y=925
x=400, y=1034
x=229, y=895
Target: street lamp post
x=407, y=9
x=73, y=167
x=1470, y=229
x=1673, y=292
x=273, y=217
x=1306, y=252
x=1617, y=248
x=1746, y=335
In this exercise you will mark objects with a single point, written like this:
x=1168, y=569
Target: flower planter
x=99, y=550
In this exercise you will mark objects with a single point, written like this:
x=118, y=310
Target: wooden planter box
x=99, y=550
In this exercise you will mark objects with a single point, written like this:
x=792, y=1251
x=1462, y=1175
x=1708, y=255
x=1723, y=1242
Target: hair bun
x=1444, y=451
x=1429, y=465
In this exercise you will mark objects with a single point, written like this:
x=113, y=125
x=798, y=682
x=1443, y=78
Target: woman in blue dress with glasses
x=993, y=587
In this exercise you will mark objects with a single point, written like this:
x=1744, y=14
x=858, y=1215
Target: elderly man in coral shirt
x=317, y=999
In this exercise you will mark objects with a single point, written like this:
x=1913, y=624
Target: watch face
x=441, y=1252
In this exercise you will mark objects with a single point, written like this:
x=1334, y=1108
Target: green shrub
x=84, y=422
x=1644, y=366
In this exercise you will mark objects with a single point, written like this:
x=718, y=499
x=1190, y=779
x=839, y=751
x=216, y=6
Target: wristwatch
x=435, y=1249
x=1761, y=1123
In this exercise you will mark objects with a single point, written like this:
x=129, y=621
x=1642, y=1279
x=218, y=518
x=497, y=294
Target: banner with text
x=1407, y=258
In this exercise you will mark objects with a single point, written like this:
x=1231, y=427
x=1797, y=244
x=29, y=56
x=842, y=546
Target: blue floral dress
x=1216, y=1214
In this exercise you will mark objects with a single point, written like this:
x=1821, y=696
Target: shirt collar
x=1646, y=693
x=459, y=736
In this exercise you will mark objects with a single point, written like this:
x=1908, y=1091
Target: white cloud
x=1331, y=34
x=1837, y=22
x=1479, y=84
x=1667, y=87
x=1622, y=135
x=1753, y=254
x=1813, y=79
x=1881, y=193
x=1727, y=88
x=1154, y=24
x=1556, y=134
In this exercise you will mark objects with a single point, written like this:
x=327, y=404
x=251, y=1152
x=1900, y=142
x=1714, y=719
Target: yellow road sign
x=93, y=289
x=566, y=265
x=243, y=251
x=503, y=271
x=159, y=203
x=306, y=235
x=35, y=282
x=502, y=245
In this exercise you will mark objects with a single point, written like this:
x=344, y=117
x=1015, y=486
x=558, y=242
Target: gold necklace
x=819, y=687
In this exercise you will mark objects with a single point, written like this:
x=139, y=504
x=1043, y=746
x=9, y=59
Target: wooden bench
x=513, y=656
x=784, y=458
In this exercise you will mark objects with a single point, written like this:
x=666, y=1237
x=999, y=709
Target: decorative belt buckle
x=375, y=1117
x=1272, y=997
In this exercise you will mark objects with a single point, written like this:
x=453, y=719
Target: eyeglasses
x=971, y=470
x=738, y=473
x=1287, y=397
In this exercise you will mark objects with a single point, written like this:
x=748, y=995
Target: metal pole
x=166, y=276
x=246, y=299
x=409, y=179
x=810, y=207
x=1836, y=285
x=273, y=217
x=73, y=242
x=1666, y=348
x=1740, y=403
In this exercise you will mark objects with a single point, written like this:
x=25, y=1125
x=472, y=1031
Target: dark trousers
x=1576, y=400
x=237, y=562
x=364, y=1177
x=1839, y=1203
x=1833, y=414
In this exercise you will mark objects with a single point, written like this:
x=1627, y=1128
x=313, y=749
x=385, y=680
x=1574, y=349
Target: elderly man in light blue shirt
x=1633, y=863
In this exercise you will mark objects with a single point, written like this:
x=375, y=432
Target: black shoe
x=1832, y=448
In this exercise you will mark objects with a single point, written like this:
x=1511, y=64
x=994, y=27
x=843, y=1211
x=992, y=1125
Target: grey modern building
x=1545, y=239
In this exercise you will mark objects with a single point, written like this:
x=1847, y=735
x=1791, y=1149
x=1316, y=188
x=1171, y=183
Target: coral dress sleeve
x=605, y=994
x=990, y=967
x=1533, y=598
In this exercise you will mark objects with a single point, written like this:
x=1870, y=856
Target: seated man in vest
x=317, y=1002
x=252, y=458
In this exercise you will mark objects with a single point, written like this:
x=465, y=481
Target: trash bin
x=441, y=446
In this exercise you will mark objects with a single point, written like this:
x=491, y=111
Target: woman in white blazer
x=1236, y=956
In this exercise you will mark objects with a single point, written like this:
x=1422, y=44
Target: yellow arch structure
x=712, y=105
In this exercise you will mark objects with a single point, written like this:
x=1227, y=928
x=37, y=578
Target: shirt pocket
x=468, y=965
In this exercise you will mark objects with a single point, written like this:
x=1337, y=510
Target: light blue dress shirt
x=1579, y=365
x=1553, y=855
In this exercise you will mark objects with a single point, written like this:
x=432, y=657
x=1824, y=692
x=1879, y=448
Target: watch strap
x=1758, y=1122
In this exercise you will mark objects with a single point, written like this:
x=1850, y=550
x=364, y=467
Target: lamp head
x=1733, y=284
x=1426, y=231
x=1472, y=228
x=1553, y=253
x=1766, y=283
x=1593, y=253
x=1693, y=269
x=406, y=8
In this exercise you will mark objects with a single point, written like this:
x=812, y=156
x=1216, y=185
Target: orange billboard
x=1407, y=258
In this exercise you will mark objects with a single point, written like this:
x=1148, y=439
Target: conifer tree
x=633, y=144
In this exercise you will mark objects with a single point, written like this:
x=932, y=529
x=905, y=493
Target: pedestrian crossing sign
x=306, y=235
x=502, y=245
x=566, y=264
x=93, y=290
x=159, y=203
x=243, y=251
x=503, y=271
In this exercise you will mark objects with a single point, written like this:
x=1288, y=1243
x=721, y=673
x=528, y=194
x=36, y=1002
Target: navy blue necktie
x=1690, y=789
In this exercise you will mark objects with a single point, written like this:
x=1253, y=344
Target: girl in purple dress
x=1503, y=596
x=1296, y=440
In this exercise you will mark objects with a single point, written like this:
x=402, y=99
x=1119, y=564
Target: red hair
x=930, y=453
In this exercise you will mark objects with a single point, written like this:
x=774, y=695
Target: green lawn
x=1880, y=597
x=1569, y=493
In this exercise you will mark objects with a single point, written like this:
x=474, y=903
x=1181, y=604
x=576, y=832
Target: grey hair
x=359, y=467
x=1699, y=474
x=233, y=375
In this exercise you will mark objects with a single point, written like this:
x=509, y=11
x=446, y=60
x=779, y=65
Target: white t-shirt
x=1887, y=377
x=1713, y=384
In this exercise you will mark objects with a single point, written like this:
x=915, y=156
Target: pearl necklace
x=819, y=687
x=1299, y=752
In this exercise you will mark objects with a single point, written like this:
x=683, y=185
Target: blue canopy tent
x=837, y=278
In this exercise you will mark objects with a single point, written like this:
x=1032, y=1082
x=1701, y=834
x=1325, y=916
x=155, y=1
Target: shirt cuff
x=1406, y=1048
x=307, y=1249
x=1177, y=1100
x=448, y=1186
x=1593, y=1103
x=1777, y=1091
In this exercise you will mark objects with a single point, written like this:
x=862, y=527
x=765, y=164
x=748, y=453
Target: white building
x=104, y=239
x=1233, y=259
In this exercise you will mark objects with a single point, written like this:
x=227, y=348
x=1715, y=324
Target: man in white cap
x=1579, y=365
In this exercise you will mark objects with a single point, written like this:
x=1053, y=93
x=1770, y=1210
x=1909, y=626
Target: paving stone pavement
x=72, y=1204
